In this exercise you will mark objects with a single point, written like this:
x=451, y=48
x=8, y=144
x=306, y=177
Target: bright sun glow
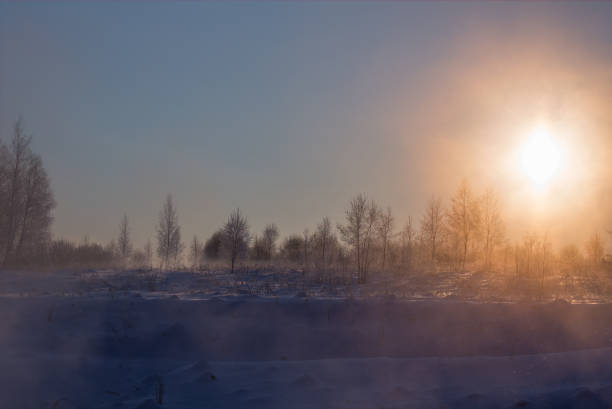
x=541, y=156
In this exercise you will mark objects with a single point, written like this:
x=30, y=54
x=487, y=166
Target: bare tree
x=15, y=169
x=307, y=245
x=431, y=225
x=148, y=254
x=492, y=226
x=571, y=262
x=292, y=248
x=371, y=221
x=358, y=232
x=595, y=251
x=236, y=237
x=258, y=249
x=543, y=262
x=525, y=255
x=112, y=251
x=464, y=219
x=195, y=252
x=138, y=259
x=270, y=235
x=169, y=245
x=26, y=200
x=264, y=246
x=570, y=259
x=323, y=239
x=352, y=232
x=35, y=213
x=384, y=229
x=123, y=241
x=407, y=244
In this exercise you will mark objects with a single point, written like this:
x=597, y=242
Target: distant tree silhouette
x=385, y=227
x=595, y=251
x=431, y=225
x=292, y=248
x=124, y=243
x=463, y=219
x=258, y=249
x=372, y=218
x=148, y=254
x=270, y=235
x=64, y=253
x=138, y=259
x=111, y=248
x=195, y=252
x=264, y=246
x=492, y=227
x=212, y=248
x=306, y=247
x=323, y=239
x=571, y=263
x=570, y=258
x=236, y=237
x=169, y=245
x=358, y=231
x=407, y=244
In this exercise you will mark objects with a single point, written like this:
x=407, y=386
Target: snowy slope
x=66, y=346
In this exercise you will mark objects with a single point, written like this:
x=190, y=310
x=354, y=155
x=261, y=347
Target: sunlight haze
x=275, y=109
x=305, y=204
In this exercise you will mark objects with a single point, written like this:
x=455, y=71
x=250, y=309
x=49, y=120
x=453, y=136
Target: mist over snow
x=305, y=205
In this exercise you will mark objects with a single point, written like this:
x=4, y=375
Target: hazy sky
x=288, y=110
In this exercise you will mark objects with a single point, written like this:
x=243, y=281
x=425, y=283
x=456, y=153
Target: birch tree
x=169, y=245
x=492, y=226
x=407, y=244
x=371, y=221
x=26, y=200
x=384, y=229
x=353, y=230
x=431, y=225
x=235, y=241
x=358, y=231
x=195, y=252
x=323, y=239
x=463, y=219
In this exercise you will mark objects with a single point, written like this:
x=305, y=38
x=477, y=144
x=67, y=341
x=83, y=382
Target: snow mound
x=152, y=380
x=206, y=377
x=148, y=404
x=475, y=401
x=199, y=366
x=304, y=380
x=399, y=393
x=585, y=398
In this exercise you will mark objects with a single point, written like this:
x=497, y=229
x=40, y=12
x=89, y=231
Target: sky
x=287, y=110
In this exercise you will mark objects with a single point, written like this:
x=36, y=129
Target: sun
x=540, y=156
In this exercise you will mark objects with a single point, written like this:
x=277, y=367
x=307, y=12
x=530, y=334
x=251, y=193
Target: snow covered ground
x=129, y=340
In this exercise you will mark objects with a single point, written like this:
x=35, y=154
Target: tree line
x=467, y=234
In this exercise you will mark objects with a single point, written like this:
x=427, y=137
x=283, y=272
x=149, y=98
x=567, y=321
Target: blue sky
x=285, y=110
